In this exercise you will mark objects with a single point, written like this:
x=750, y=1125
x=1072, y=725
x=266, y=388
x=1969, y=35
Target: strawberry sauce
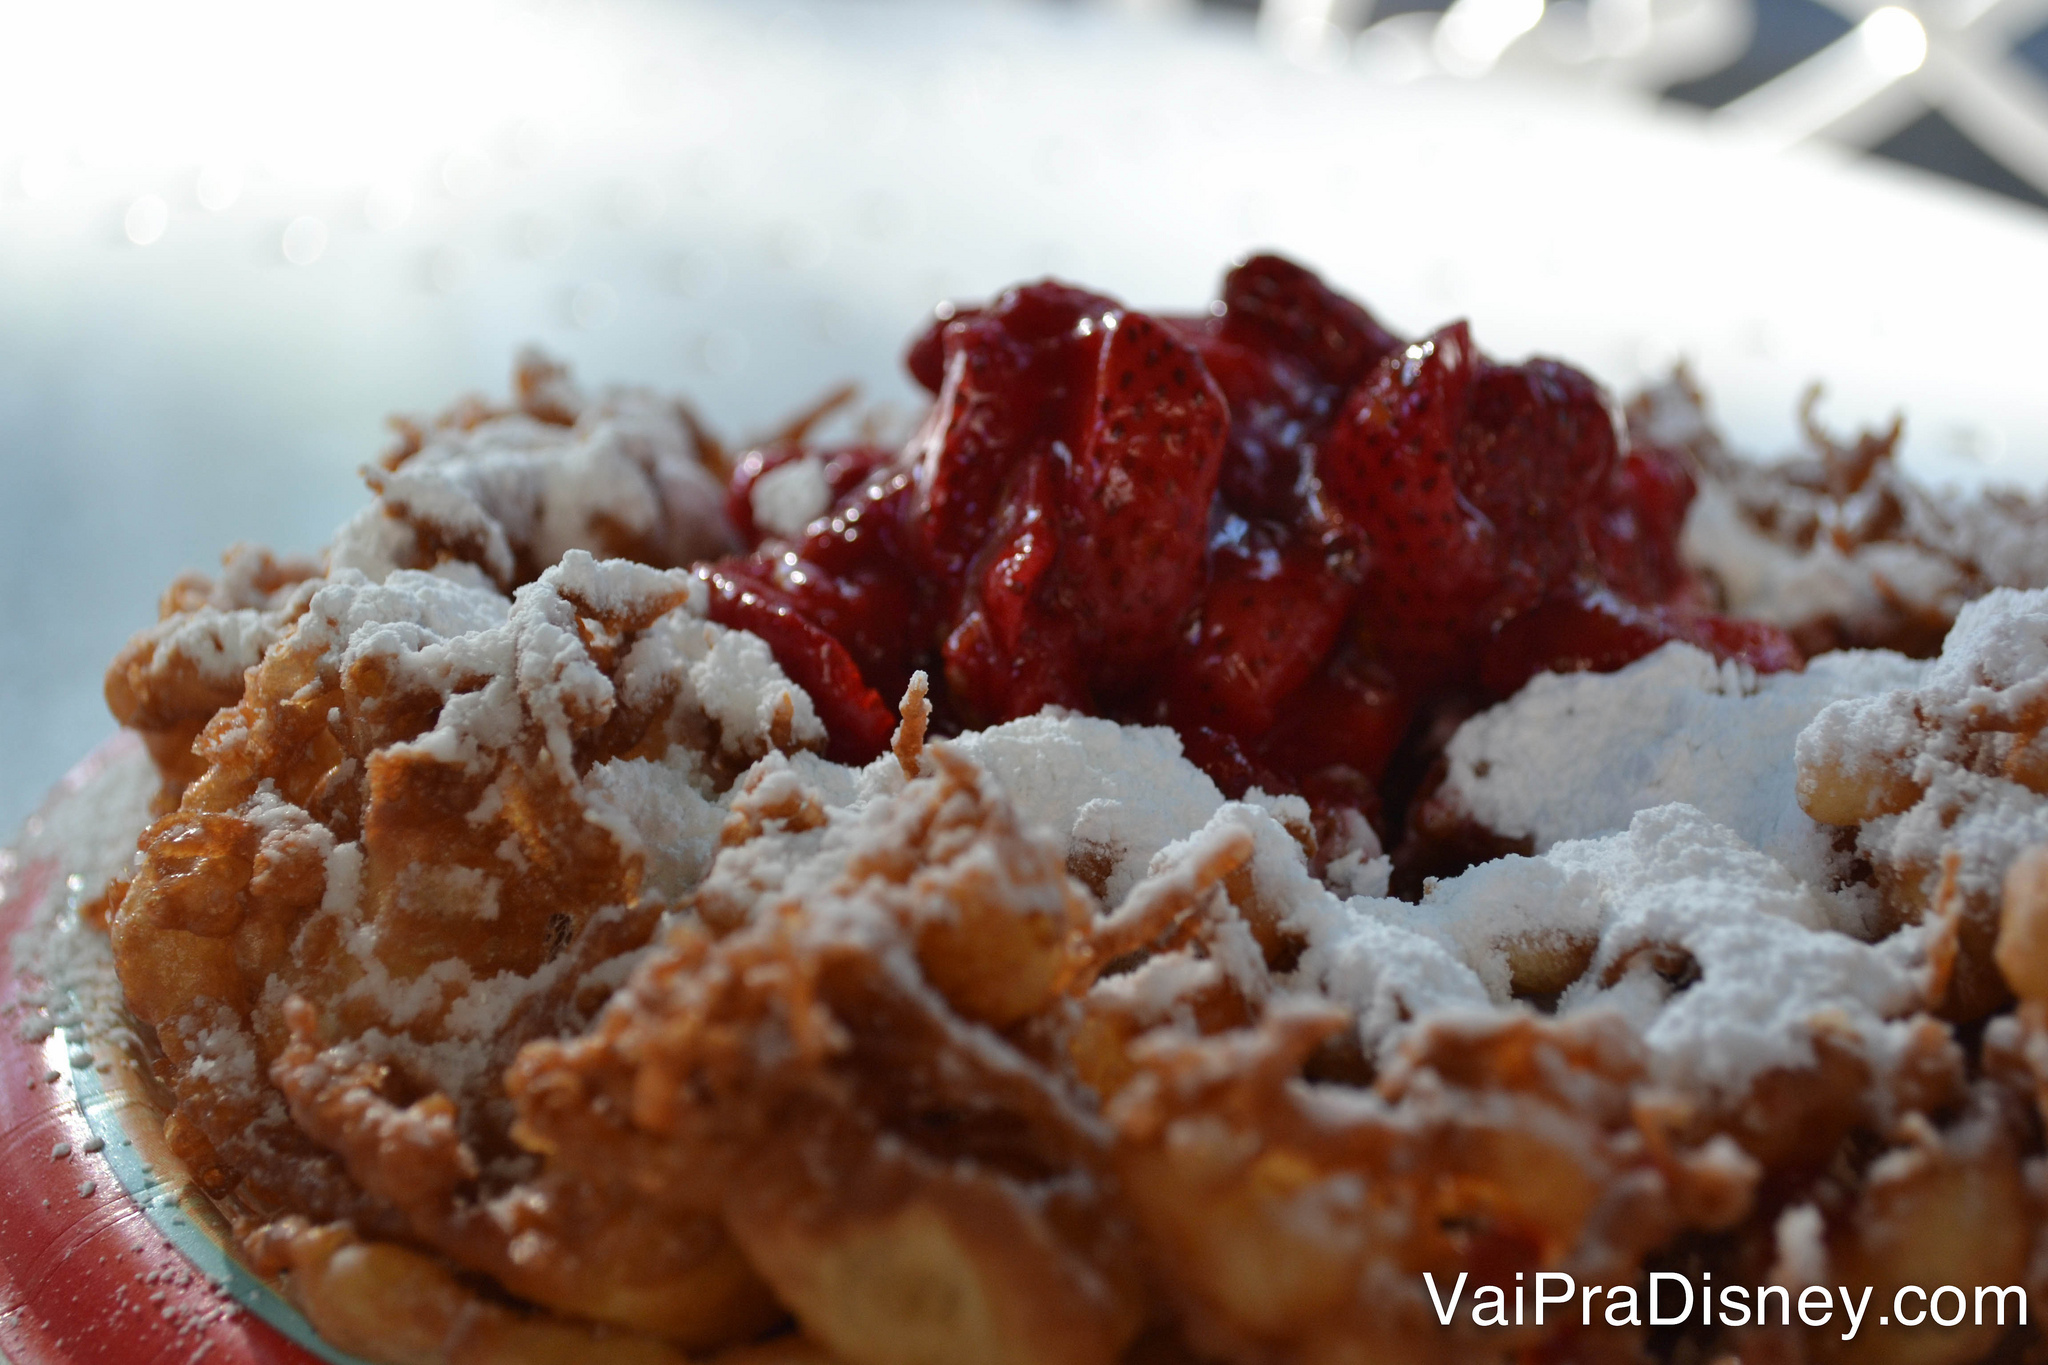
x=1276, y=527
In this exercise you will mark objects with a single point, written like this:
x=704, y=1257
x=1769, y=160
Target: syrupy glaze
x=1277, y=527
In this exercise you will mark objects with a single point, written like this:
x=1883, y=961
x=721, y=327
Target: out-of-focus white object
x=305, y=240
x=146, y=219
x=1641, y=45
x=1312, y=32
x=313, y=94
x=1901, y=60
x=1472, y=34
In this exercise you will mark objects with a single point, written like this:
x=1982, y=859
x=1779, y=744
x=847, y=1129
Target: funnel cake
x=1240, y=823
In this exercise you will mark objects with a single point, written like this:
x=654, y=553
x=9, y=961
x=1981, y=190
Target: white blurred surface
x=205, y=312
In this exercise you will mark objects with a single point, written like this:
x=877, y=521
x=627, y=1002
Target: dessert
x=1241, y=832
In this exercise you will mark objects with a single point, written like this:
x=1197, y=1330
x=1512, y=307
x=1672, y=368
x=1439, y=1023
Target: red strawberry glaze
x=1597, y=631
x=846, y=471
x=1275, y=527
x=1272, y=611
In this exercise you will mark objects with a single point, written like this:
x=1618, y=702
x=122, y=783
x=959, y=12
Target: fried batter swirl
x=529, y=988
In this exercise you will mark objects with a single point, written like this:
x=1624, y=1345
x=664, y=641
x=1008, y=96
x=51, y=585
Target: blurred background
x=234, y=235
x=1959, y=89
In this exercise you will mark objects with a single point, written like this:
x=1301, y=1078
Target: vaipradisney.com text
x=1671, y=1299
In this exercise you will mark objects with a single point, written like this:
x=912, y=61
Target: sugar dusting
x=1952, y=768
x=1572, y=756
x=517, y=684
x=1117, y=793
x=87, y=831
x=508, y=492
x=1837, y=543
x=1770, y=972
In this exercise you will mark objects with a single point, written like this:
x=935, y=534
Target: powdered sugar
x=219, y=645
x=449, y=692
x=1497, y=908
x=1577, y=755
x=85, y=834
x=1116, y=793
x=1946, y=777
x=1986, y=821
x=729, y=674
x=1121, y=797
x=790, y=497
x=1765, y=579
x=501, y=667
x=656, y=808
x=1717, y=954
x=1770, y=977
x=512, y=492
x=1836, y=544
x=1993, y=668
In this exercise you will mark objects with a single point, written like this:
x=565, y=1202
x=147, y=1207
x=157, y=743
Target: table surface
x=752, y=202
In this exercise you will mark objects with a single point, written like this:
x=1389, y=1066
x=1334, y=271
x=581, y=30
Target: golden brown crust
x=884, y=1158
x=173, y=678
x=352, y=905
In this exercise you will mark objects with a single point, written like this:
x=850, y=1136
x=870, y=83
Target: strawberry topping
x=1275, y=527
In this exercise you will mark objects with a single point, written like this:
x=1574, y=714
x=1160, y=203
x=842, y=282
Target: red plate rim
x=109, y=1253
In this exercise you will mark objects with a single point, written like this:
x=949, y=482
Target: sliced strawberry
x=1133, y=502
x=1596, y=631
x=1270, y=615
x=1279, y=409
x=1636, y=539
x=1006, y=655
x=857, y=721
x=1535, y=457
x=1761, y=645
x=1010, y=377
x=1484, y=489
x=1342, y=726
x=1272, y=304
x=1273, y=526
x=1234, y=771
x=1389, y=465
x=1065, y=475
x=851, y=578
x=926, y=358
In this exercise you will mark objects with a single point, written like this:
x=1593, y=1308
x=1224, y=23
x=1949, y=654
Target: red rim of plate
x=109, y=1254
